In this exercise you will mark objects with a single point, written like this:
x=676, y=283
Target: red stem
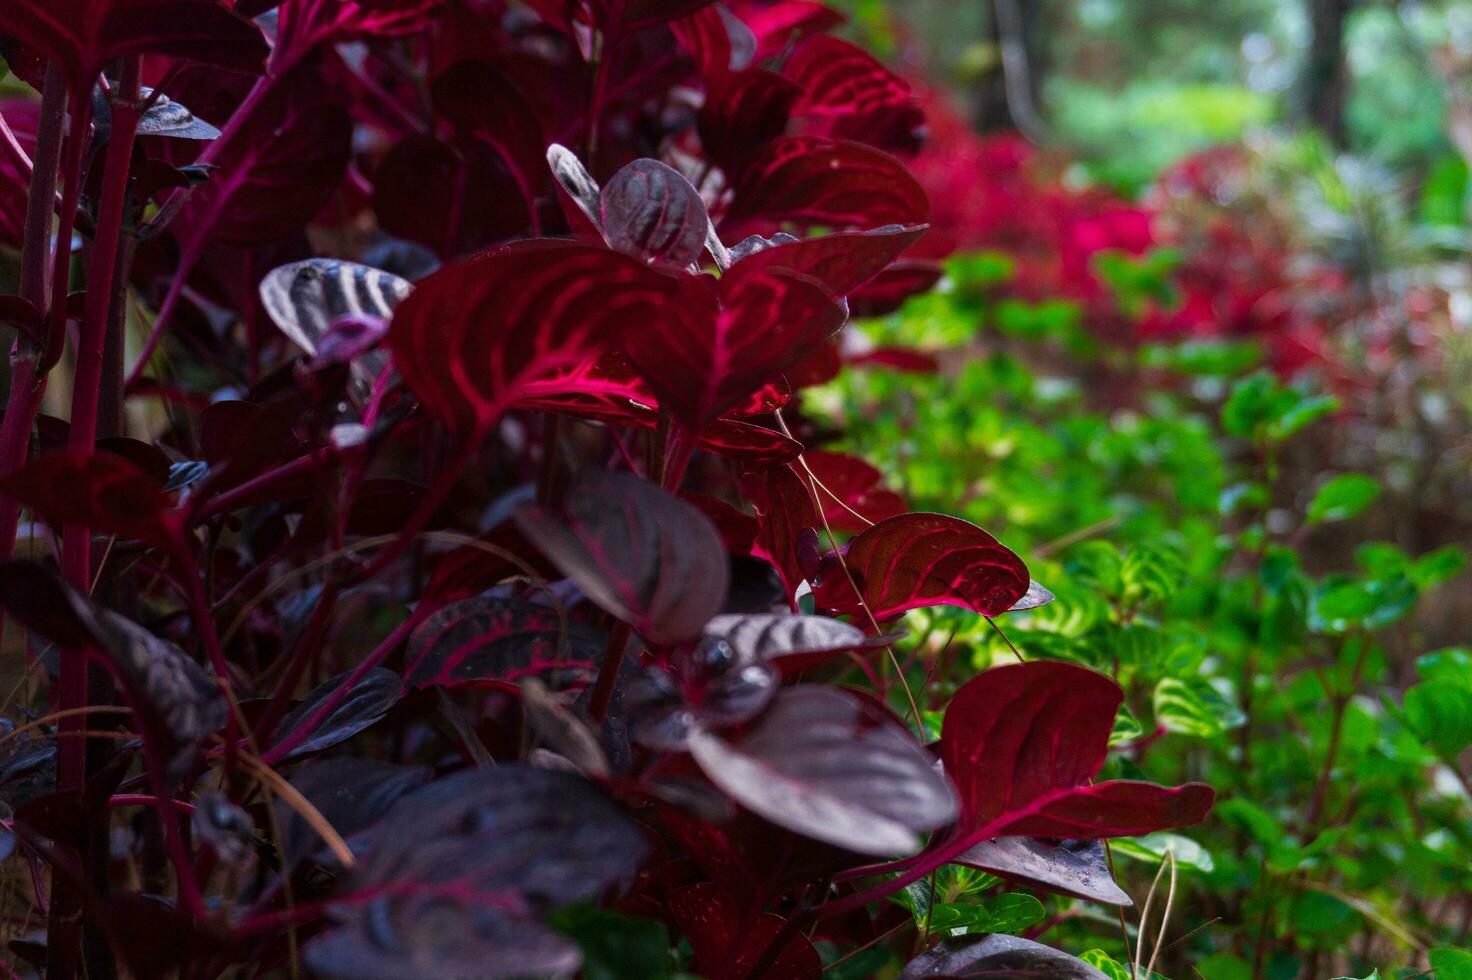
x=26, y=383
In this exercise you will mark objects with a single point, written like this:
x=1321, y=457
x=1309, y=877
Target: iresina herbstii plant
x=380, y=659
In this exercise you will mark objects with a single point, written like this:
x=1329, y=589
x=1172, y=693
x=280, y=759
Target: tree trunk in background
x=1015, y=28
x=1325, y=74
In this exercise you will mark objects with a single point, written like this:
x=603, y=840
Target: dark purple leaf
x=351, y=794
x=649, y=210
x=367, y=701
x=483, y=640
x=639, y=553
x=547, y=837
x=915, y=560
x=562, y=730
x=431, y=937
x=820, y=763
x=485, y=106
x=1070, y=867
x=792, y=643
x=709, y=684
x=225, y=829
x=1021, y=743
x=1000, y=958
x=177, y=702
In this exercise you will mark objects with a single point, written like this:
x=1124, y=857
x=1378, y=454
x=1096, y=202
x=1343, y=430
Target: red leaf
x=484, y=105
x=472, y=337
x=713, y=923
x=778, y=25
x=719, y=349
x=287, y=159
x=812, y=181
x=916, y=560
x=785, y=509
x=1021, y=743
x=890, y=288
x=649, y=210
x=737, y=530
x=842, y=261
x=453, y=198
x=855, y=484
x=639, y=553
x=840, y=79
x=743, y=110
x=99, y=491
x=716, y=39
x=898, y=359
x=83, y=35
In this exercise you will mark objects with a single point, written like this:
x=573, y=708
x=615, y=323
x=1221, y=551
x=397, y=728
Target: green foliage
x=615, y=946
x=1163, y=501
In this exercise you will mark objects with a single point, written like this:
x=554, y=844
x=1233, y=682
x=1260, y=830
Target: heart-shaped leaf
x=367, y=701
x=999, y=958
x=716, y=350
x=821, y=763
x=100, y=491
x=916, y=560
x=83, y=35
x=1021, y=743
x=639, y=553
x=471, y=337
x=650, y=211
x=1069, y=867
x=812, y=181
x=305, y=298
x=483, y=639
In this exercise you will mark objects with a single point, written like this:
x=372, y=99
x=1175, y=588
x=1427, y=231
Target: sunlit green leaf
x=1343, y=497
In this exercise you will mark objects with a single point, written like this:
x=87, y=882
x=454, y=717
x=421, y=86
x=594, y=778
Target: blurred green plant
x=1150, y=491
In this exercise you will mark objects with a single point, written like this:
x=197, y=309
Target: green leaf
x=1113, y=968
x=1452, y=665
x=1451, y=964
x=1436, y=567
x=1440, y=714
x=1300, y=415
x=1151, y=572
x=1340, y=605
x=615, y=946
x=1153, y=847
x=1194, y=707
x=1126, y=727
x=1343, y=497
x=837, y=965
x=999, y=913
